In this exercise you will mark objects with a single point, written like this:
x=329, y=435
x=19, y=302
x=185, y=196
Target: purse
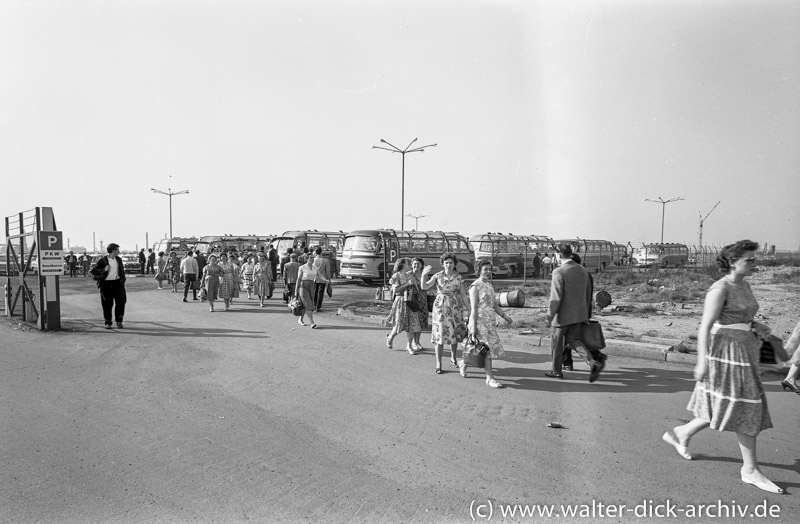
x=772, y=351
x=592, y=335
x=329, y=290
x=296, y=306
x=475, y=352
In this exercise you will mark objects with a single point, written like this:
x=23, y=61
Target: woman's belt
x=744, y=326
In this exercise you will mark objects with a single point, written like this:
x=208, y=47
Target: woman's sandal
x=438, y=371
x=454, y=361
x=389, y=340
x=313, y=326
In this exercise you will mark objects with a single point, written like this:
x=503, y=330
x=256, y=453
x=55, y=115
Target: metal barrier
x=34, y=249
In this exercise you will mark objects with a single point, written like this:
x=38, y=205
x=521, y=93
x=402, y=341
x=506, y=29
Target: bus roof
x=407, y=234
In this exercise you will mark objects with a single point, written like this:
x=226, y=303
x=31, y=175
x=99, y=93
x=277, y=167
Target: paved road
x=189, y=416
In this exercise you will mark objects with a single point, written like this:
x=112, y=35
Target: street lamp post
x=169, y=193
x=408, y=149
x=663, y=207
x=416, y=220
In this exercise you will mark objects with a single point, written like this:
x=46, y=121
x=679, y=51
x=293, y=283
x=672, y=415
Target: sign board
x=51, y=253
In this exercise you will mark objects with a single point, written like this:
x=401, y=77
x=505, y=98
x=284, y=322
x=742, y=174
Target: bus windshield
x=361, y=243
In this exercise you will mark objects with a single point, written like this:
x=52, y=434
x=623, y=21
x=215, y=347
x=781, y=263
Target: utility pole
x=395, y=149
x=663, y=206
x=703, y=219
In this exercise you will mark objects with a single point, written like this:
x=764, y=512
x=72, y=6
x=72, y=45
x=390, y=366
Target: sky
x=556, y=118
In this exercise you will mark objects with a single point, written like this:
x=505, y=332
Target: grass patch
x=791, y=277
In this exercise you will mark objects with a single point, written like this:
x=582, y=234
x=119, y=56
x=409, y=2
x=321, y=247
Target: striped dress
x=731, y=397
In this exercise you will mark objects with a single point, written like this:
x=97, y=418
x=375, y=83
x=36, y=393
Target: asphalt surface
x=192, y=416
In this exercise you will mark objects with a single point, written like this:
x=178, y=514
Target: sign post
x=51, y=266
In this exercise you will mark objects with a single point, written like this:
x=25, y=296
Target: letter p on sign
x=51, y=240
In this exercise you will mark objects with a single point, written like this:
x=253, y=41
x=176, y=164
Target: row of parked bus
x=366, y=254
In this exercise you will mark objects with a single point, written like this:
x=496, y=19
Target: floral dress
x=262, y=279
x=487, y=318
x=448, y=310
x=730, y=397
x=402, y=315
x=174, y=269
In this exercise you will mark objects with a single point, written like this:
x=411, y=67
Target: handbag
x=286, y=295
x=296, y=306
x=329, y=289
x=772, y=351
x=592, y=335
x=475, y=352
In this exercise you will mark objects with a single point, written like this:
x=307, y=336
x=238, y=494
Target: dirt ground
x=779, y=308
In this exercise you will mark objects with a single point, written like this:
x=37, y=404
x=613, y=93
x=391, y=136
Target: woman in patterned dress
x=482, y=319
x=448, y=308
x=728, y=395
x=304, y=290
x=262, y=276
x=228, y=280
x=247, y=276
x=212, y=272
x=174, y=270
x=405, y=313
x=420, y=298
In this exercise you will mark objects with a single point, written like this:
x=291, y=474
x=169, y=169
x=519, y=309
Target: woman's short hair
x=732, y=252
x=418, y=259
x=399, y=264
x=479, y=265
x=161, y=253
x=172, y=253
x=448, y=256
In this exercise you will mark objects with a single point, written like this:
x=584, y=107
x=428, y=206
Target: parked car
x=130, y=262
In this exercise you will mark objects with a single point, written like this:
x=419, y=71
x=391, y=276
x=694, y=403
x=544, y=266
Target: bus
x=331, y=243
x=595, y=254
x=662, y=255
x=619, y=255
x=231, y=243
x=510, y=255
x=370, y=254
x=179, y=245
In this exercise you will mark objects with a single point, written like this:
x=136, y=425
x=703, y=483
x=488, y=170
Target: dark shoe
x=195, y=298
x=791, y=387
x=566, y=368
x=119, y=325
x=602, y=360
x=553, y=374
x=595, y=372
x=107, y=326
x=184, y=299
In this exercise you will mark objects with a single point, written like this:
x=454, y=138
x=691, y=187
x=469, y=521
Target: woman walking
x=405, y=308
x=248, y=268
x=482, y=319
x=228, y=281
x=306, y=275
x=728, y=395
x=211, y=279
x=448, y=308
x=174, y=270
x=262, y=278
x=161, y=275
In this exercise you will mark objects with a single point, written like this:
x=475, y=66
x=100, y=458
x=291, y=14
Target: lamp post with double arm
x=169, y=193
x=408, y=149
x=663, y=206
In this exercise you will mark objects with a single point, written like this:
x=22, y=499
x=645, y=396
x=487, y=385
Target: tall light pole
x=169, y=193
x=416, y=220
x=663, y=206
x=408, y=149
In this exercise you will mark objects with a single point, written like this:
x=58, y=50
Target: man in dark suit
x=570, y=306
x=110, y=276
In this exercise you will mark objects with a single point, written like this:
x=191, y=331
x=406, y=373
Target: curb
x=618, y=348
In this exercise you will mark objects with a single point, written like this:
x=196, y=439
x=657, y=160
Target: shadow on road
x=631, y=380
x=156, y=329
